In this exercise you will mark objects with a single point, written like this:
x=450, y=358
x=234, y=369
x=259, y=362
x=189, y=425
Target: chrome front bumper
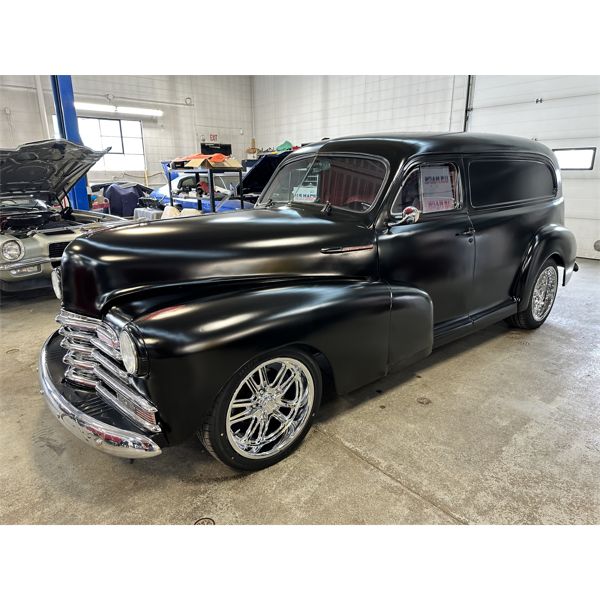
x=102, y=436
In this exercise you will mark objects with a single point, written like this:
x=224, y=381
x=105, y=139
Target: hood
x=48, y=169
x=257, y=178
x=246, y=245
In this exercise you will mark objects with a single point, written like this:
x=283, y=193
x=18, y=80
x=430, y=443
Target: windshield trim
x=313, y=157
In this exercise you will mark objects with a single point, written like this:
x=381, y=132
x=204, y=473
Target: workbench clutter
x=206, y=161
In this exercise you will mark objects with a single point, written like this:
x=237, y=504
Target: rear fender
x=551, y=241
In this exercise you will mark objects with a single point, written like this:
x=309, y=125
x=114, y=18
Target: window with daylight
x=575, y=159
x=124, y=137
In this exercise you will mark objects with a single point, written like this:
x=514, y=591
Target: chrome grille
x=93, y=360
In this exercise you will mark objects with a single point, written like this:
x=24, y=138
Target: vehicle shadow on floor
x=178, y=458
x=191, y=463
x=333, y=405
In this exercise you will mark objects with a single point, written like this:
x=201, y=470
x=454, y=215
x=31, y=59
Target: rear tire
x=541, y=299
x=265, y=410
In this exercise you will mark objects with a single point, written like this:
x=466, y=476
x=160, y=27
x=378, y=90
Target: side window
x=431, y=188
x=503, y=181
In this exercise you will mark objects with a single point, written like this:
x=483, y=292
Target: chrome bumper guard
x=104, y=437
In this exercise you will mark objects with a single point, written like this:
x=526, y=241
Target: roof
x=395, y=146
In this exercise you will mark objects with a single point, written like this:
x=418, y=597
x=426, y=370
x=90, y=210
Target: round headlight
x=56, y=283
x=129, y=353
x=12, y=250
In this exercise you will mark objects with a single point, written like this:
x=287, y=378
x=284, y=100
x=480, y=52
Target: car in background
x=36, y=220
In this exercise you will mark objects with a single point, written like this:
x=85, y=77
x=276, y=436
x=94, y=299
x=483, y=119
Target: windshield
x=25, y=202
x=351, y=183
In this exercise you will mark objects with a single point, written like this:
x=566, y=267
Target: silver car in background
x=36, y=220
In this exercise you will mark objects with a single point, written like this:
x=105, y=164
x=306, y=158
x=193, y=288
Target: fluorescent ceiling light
x=124, y=110
x=86, y=106
x=132, y=110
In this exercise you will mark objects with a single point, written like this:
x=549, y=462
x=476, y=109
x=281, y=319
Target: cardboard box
x=208, y=163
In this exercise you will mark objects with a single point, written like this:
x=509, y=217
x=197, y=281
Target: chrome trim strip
x=106, y=349
x=103, y=437
x=30, y=262
x=77, y=335
x=123, y=390
x=343, y=249
x=65, y=317
x=111, y=399
x=73, y=360
x=110, y=366
x=73, y=375
x=69, y=345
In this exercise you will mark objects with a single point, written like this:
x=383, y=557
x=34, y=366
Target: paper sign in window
x=305, y=193
x=436, y=189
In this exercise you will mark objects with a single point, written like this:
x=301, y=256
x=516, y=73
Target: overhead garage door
x=561, y=112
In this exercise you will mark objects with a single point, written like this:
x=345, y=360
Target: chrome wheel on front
x=544, y=293
x=270, y=407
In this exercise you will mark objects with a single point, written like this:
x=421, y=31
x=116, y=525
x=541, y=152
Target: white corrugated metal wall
x=561, y=112
x=308, y=108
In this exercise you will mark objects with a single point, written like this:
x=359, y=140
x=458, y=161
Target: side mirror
x=410, y=215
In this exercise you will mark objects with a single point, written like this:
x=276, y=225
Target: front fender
x=195, y=347
x=549, y=241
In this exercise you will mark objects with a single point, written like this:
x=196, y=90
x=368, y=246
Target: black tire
x=214, y=432
x=525, y=319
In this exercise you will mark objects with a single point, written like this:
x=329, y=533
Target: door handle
x=467, y=232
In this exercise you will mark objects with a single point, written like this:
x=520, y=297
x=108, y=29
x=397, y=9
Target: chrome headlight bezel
x=17, y=243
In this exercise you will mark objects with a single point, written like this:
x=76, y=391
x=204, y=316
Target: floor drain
x=205, y=521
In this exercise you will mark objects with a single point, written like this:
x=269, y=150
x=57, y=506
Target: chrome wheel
x=544, y=293
x=270, y=407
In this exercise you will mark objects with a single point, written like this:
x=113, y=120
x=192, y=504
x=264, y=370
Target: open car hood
x=257, y=178
x=47, y=169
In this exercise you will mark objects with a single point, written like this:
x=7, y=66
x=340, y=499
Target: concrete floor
x=499, y=427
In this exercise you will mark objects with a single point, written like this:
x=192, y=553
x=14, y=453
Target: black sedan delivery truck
x=362, y=255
